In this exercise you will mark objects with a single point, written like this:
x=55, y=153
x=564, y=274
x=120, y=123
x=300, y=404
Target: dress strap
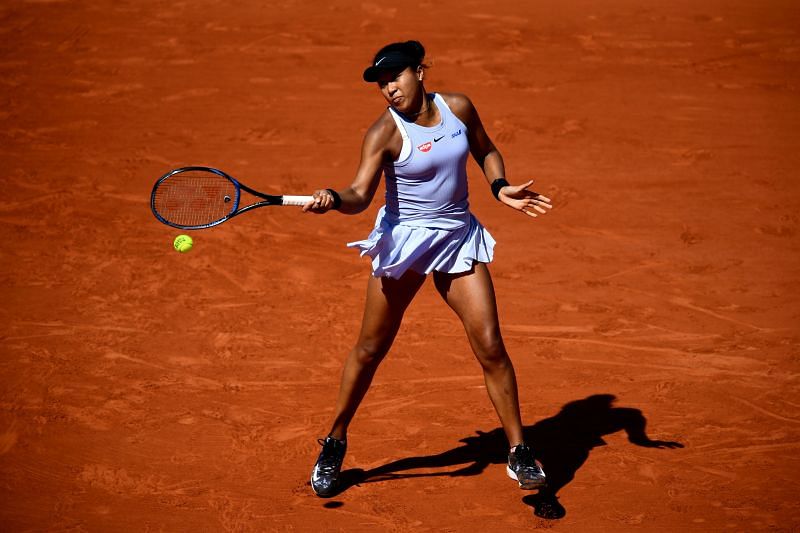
x=405, y=151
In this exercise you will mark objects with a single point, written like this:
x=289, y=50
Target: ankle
x=340, y=437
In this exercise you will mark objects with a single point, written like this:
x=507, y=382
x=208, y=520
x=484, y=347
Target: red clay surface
x=145, y=390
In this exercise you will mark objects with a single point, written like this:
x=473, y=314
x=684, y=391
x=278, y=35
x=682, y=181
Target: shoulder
x=382, y=131
x=460, y=104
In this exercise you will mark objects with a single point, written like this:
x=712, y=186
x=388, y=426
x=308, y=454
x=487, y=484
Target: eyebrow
x=397, y=75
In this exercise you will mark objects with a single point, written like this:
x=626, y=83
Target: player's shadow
x=562, y=443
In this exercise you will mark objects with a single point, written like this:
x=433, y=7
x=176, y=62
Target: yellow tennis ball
x=183, y=243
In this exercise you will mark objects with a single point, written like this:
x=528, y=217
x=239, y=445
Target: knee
x=369, y=353
x=489, y=348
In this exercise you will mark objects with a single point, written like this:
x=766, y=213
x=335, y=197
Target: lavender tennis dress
x=426, y=224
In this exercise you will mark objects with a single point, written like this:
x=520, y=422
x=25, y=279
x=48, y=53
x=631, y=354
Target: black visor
x=388, y=61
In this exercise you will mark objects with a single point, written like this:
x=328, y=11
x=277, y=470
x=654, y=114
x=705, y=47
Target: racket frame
x=267, y=199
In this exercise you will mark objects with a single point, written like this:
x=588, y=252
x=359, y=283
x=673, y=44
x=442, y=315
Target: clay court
x=652, y=315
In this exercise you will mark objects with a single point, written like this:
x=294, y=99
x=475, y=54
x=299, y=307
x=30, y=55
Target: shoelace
x=329, y=459
x=525, y=459
x=534, y=468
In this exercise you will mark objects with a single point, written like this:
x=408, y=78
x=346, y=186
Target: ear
x=420, y=73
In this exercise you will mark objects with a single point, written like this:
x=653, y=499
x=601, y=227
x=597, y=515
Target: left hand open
x=521, y=199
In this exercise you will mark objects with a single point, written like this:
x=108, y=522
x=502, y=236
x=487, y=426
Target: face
x=402, y=89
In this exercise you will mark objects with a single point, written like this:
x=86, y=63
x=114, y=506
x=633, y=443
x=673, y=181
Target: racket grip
x=295, y=200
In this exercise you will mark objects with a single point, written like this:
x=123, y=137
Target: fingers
x=521, y=192
x=537, y=205
x=321, y=202
x=538, y=199
x=532, y=205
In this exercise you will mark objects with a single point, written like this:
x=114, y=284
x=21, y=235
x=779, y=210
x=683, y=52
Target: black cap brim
x=393, y=61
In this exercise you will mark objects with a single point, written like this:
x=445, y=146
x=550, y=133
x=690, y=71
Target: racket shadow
x=562, y=443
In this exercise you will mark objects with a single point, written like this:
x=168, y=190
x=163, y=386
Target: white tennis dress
x=426, y=224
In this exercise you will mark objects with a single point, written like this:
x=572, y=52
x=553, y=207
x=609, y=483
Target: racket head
x=195, y=197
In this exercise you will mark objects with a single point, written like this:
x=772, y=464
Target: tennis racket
x=202, y=197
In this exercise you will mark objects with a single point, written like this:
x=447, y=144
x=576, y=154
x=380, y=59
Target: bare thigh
x=471, y=296
x=387, y=300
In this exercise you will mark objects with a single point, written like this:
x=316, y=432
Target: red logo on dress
x=426, y=147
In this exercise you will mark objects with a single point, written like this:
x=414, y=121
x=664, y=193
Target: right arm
x=375, y=151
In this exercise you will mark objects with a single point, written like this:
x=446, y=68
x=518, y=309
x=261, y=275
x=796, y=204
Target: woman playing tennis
x=421, y=144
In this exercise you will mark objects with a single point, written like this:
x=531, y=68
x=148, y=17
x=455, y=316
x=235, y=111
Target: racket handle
x=295, y=200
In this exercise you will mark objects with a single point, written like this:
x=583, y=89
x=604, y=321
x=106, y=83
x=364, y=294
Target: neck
x=424, y=107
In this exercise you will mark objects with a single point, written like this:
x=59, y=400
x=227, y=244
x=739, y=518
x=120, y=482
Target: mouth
x=396, y=100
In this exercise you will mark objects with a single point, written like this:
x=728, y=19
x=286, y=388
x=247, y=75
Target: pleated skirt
x=397, y=248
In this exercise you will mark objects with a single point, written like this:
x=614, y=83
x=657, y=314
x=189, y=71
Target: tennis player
x=421, y=144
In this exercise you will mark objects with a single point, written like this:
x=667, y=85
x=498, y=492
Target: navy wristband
x=498, y=184
x=337, y=200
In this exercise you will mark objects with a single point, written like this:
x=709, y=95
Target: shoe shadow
x=562, y=444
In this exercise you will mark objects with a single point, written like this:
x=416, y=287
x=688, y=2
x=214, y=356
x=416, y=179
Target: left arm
x=491, y=162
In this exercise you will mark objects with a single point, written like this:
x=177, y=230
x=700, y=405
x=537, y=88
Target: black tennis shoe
x=325, y=475
x=523, y=467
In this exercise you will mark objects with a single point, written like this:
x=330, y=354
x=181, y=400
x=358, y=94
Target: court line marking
x=765, y=411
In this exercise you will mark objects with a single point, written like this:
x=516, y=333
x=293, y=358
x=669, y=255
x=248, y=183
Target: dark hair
x=412, y=49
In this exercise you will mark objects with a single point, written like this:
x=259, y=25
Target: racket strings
x=195, y=198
